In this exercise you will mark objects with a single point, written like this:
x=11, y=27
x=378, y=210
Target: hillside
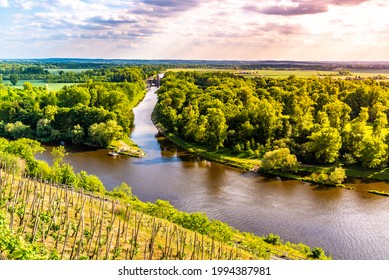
x=41, y=220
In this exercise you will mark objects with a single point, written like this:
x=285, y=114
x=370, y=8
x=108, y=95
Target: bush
x=273, y=239
x=337, y=176
x=279, y=159
x=318, y=253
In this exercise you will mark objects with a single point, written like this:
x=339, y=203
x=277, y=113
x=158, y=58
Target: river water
x=349, y=224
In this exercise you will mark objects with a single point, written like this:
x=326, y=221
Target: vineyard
x=72, y=224
x=45, y=220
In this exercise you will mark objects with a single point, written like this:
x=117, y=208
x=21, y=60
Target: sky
x=335, y=30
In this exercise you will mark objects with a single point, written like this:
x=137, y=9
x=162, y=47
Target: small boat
x=113, y=153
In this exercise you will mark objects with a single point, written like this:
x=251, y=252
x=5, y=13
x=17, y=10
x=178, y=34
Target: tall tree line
x=320, y=120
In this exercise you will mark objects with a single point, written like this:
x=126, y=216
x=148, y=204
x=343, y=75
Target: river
x=348, y=224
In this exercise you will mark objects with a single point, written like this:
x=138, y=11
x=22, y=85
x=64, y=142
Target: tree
x=279, y=160
x=325, y=142
x=27, y=86
x=58, y=154
x=373, y=152
x=14, y=78
x=353, y=136
x=123, y=191
x=217, y=127
x=69, y=97
x=18, y=130
x=379, y=124
x=76, y=134
x=103, y=133
x=43, y=128
x=89, y=182
x=337, y=176
x=338, y=113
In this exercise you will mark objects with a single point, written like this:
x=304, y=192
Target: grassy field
x=42, y=83
x=280, y=73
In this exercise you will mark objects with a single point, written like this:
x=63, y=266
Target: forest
x=283, y=121
x=68, y=72
x=93, y=112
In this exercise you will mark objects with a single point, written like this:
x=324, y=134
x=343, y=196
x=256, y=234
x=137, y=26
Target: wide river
x=349, y=224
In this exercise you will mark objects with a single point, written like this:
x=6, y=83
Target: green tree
x=89, y=182
x=103, y=133
x=122, y=191
x=18, y=130
x=373, y=152
x=43, y=128
x=76, y=134
x=58, y=154
x=217, y=127
x=279, y=160
x=14, y=78
x=353, y=136
x=380, y=122
x=69, y=97
x=27, y=86
x=325, y=142
x=337, y=176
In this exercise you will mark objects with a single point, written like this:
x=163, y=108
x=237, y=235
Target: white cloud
x=4, y=4
x=201, y=29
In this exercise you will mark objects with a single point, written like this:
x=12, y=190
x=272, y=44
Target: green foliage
x=103, y=133
x=320, y=120
x=14, y=78
x=58, y=154
x=279, y=160
x=123, y=191
x=373, y=152
x=67, y=114
x=89, y=182
x=17, y=130
x=44, y=129
x=15, y=247
x=273, y=239
x=76, y=134
x=193, y=221
x=337, y=176
x=318, y=253
x=325, y=143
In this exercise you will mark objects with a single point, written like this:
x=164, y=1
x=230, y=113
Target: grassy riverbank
x=125, y=145
x=242, y=161
x=223, y=156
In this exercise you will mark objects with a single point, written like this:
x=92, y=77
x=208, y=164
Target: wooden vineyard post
x=78, y=229
x=66, y=240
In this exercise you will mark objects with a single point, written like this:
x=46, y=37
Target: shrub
x=279, y=159
x=273, y=239
x=317, y=253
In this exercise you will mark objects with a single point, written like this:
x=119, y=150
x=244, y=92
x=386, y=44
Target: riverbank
x=126, y=147
x=222, y=156
x=225, y=156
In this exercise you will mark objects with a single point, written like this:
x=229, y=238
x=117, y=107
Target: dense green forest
x=282, y=121
x=75, y=73
x=91, y=112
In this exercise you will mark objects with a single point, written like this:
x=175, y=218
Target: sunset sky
x=196, y=29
